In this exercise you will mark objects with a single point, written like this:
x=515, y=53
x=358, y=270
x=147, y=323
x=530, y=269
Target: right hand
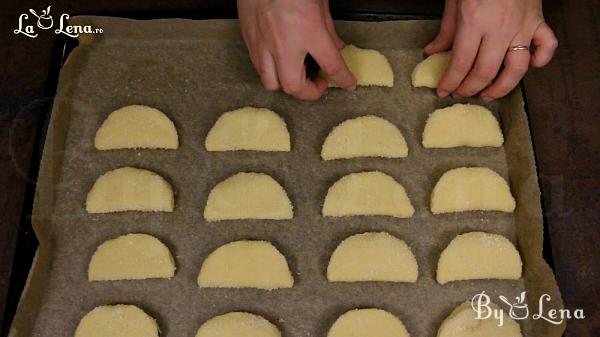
x=280, y=33
x=480, y=34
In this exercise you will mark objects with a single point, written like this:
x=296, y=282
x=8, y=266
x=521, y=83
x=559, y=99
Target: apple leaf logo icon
x=44, y=19
x=518, y=309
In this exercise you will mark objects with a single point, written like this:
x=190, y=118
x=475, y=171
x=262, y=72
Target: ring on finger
x=518, y=47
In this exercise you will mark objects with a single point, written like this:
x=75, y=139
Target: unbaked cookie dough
x=372, y=257
x=245, y=264
x=462, y=125
x=130, y=189
x=429, y=72
x=237, y=324
x=479, y=255
x=463, y=322
x=117, y=321
x=365, y=136
x=131, y=257
x=367, y=193
x=249, y=128
x=471, y=189
x=369, y=67
x=368, y=323
x=248, y=195
x=136, y=127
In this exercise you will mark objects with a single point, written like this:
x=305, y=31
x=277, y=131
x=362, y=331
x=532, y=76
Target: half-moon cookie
x=249, y=128
x=463, y=322
x=370, y=67
x=117, y=321
x=367, y=193
x=479, y=255
x=248, y=195
x=471, y=189
x=430, y=71
x=374, y=256
x=365, y=136
x=131, y=257
x=236, y=324
x=245, y=264
x=368, y=323
x=130, y=189
x=136, y=127
x=462, y=125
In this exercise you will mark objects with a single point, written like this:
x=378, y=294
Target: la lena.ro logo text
x=28, y=27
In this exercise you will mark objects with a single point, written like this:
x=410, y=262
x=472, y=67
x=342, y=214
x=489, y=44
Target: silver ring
x=519, y=47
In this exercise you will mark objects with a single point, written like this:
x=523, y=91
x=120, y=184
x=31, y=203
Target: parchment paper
x=196, y=70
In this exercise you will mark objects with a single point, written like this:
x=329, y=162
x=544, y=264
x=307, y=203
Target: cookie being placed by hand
x=369, y=67
x=430, y=71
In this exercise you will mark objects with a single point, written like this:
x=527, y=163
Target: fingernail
x=486, y=98
x=443, y=93
x=456, y=96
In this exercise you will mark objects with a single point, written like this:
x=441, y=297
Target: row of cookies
x=366, y=257
x=251, y=195
x=259, y=129
x=129, y=320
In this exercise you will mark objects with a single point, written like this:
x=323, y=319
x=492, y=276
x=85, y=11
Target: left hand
x=480, y=33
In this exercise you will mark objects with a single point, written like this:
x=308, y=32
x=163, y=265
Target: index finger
x=328, y=56
x=464, y=51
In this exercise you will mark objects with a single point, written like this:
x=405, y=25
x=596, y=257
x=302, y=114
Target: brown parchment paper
x=196, y=70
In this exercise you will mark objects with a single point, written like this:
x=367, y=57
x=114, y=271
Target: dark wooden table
x=562, y=101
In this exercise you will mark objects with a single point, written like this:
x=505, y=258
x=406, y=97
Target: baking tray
x=26, y=241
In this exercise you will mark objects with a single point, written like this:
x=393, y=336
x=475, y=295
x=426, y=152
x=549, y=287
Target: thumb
x=443, y=41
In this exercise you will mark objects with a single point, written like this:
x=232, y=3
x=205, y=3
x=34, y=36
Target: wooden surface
x=562, y=99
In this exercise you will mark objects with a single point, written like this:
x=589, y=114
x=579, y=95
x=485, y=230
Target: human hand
x=280, y=33
x=480, y=33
